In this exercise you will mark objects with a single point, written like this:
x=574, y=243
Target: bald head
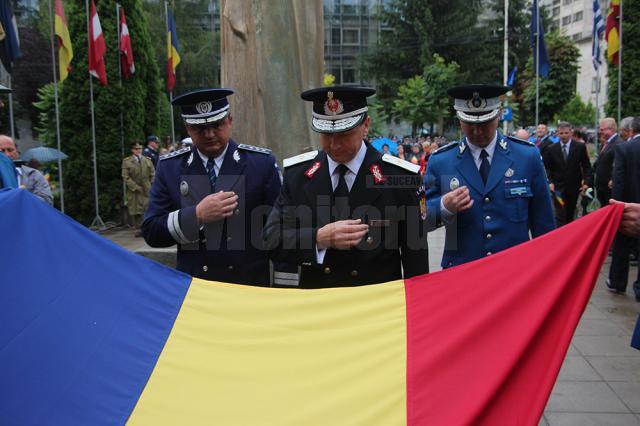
x=8, y=147
x=522, y=134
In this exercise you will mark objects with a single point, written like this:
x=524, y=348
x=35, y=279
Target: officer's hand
x=457, y=200
x=216, y=206
x=342, y=234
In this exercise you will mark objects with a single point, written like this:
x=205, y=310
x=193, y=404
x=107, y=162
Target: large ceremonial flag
x=612, y=32
x=596, y=34
x=65, y=50
x=92, y=334
x=97, y=47
x=173, y=51
x=537, y=42
x=126, y=52
x=9, y=39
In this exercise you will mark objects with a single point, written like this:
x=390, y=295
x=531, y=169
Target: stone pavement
x=599, y=383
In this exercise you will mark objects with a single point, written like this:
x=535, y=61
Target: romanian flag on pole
x=612, y=32
x=91, y=334
x=65, y=50
x=97, y=47
x=173, y=48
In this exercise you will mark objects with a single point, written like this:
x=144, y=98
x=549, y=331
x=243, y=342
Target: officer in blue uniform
x=212, y=198
x=489, y=190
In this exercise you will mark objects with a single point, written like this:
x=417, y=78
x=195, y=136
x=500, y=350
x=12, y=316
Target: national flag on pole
x=9, y=39
x=596, y=34
x=173, y=51
x=97, y=47
x=118, y=338
x=65, y=50
x=537, y=39
x=126, y=53
x=612, y=32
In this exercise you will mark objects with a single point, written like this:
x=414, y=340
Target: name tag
x=521, y=190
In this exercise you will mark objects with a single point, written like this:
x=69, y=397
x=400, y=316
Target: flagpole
x=537, y=62
x=11, y=126
x=97, y=221
x=173, y=130
x=505, y=66
x=620, y=66
x=124, y=185
x=57, y=108
x=597, y=124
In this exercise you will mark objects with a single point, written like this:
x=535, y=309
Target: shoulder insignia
x=413, y=168
x=300, y=158
x=445, y=148
x=260, y=149
x=176, y=153
x=520, y=141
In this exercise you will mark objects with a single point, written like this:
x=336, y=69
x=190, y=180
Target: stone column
x=271, y=51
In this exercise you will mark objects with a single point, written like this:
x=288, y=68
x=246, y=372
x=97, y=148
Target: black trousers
x=619, y=269
x=566, y=213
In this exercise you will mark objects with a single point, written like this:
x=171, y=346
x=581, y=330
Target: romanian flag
x=612, y=32
x=91, y=334
x=65, y=50
x=173, y=54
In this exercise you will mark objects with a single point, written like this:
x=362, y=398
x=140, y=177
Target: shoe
x=613, y=289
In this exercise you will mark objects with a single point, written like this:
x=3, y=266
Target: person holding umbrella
x=28, y=178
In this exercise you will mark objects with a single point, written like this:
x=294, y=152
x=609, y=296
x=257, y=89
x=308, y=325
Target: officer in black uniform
x=151, y=150
x=212, y=198
x=348, y=215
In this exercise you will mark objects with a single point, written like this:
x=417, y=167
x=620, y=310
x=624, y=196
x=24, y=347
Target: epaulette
x=413, y=168
x=447, y=147
x=260, y=149
x=300, y=158
x=176, y=153
x=520, y=141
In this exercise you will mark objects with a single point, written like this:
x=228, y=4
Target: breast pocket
x=517, y=199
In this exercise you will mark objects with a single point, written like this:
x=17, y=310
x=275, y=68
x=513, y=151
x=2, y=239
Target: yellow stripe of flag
x=65, y=51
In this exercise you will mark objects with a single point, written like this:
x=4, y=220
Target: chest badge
x=312, y=170
x=422, y=197
x=454, y=184
x=509, y=172
x=378, y=177
x=184, y=188
x=236, y=156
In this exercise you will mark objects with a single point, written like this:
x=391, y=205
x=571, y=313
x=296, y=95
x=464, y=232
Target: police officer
x=151, y=150
x=348, y=215
x=489, y=190
x=211, y=198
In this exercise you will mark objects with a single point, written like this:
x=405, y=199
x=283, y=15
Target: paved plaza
x=599, y=383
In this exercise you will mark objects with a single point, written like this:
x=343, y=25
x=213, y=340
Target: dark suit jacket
x=546, y=143
x=626, y=171
x=396, y=236
x=603, y=166
x=568, y=175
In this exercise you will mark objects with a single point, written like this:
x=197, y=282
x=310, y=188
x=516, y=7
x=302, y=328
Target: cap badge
x=509, y=172
x=204, y=107
x=503, y=144
x=378, y=177
x=454, y=184
x=333, y=106
x=184, y=188
x=236, y=156
x=312, y=170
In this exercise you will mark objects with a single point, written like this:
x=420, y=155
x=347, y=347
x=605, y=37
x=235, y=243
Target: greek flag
x=598, y=31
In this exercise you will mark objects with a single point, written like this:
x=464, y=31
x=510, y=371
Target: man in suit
x=569, y=172
x=348, y=215
x=489, y=190
x=27, y=177
x=542, y=139
x=212, y=198
x=604, y=163
x=625, y=129
x=626, y=188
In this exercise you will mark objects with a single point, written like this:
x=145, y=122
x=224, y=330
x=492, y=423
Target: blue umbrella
x=377, y=144
x=43, y=155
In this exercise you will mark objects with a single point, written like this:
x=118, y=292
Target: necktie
x=212, y=173
x=565, y=151
x=484, y=166
x=341, y=195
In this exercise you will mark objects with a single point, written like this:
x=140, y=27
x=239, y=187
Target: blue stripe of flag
x=596, y=35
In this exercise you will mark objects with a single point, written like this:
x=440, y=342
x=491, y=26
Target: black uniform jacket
x=228, y=250
x=383, y=195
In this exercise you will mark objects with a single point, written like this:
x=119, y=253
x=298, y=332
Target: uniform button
x=489, y=253
x=228, y=238
x=204, y=241
x=487, y=199
x=487, y=218
x=327, y=270
x=354, y=273
x=237, y=212
x=205, y=268
x=369, y=240
x=230, y=267
x=489, y=236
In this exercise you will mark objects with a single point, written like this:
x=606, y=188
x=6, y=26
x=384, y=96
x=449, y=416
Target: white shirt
x=217, y=161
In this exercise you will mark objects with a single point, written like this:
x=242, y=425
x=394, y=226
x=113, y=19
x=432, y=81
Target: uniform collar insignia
x=503, y=144
x=462, y=147
x=236, y=156
x=190, y=160
x=378, y=177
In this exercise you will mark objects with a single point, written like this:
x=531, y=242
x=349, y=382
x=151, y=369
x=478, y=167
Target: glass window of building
x=566, y=20
x=565, y=2
x=577, y=16
x=348, y=75
x=351, y=36
x=556, y=11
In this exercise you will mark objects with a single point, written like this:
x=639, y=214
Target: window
x=566, y=2
x=576, y=37
x=335, y=36
x=351, y=36
x=566, y=20
x=577, y=16
x=556, y=2
x=348, y=75
x=556, y=11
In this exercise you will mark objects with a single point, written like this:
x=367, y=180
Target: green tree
x=630, y=57
x=412, y=104
x=577, y=112
x=137, y=100
x=559, y=87
x=439, y=77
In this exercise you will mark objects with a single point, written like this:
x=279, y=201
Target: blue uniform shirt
x=515, y=200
